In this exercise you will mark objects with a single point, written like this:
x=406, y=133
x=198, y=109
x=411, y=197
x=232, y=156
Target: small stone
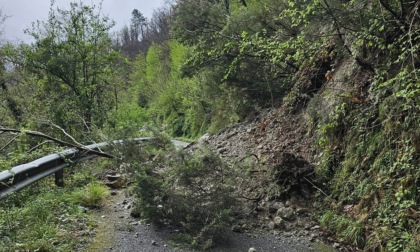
x=286, y=213
x=154, y=243
x=245, y=227
x=301, y=211
x=252, y=250
x=135, y=212
x=279, y=223
x=236, y=228
x=336, y=245
x=102, y=216
x=165, y=245
x=204, y=138
x=271, y=225
x=259, y=208
x=222, y=150
x=316, y=227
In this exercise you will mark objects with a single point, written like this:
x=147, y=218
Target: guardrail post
x=59, y=178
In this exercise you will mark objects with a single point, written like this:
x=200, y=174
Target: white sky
x=23, y=12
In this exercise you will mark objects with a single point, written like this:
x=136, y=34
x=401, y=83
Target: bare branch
x=65, y=133
x=39, y=134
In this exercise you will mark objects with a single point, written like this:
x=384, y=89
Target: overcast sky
x=23, y=12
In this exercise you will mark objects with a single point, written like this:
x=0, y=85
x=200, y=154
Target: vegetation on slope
x=200, y=65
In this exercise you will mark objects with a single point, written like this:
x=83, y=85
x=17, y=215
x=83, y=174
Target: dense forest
x=199, y=66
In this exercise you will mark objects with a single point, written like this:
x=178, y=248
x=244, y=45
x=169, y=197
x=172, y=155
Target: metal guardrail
x=24, y=175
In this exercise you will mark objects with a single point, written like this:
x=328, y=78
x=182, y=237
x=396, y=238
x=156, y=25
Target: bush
x=189, y=191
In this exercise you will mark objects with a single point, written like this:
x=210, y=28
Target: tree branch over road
x=61, y=142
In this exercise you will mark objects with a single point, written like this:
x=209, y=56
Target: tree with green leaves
x=73, y=57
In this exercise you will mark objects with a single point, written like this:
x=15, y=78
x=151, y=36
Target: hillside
x=310, y=112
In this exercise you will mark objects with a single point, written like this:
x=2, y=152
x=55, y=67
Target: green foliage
x=351, y=231
x=92, y=195
x=73, y=60
x=192, y=192
x=42, y=218
x=368, y=145
x=370, y=161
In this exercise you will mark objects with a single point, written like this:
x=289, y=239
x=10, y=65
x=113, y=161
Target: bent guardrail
x=24, y=175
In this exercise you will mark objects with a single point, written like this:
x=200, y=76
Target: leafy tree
x=251, y=45
x=72, y=54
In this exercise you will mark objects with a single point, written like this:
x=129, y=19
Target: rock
x=222, y=150
x=259, y=208
x=336, y=245
x=288, y=234
x=154, y=243
x=115, y=181
x=245, y=228
x=279, y=223
x=135, y=212
x=286, y=213
x=236, y=228
x=316, y=227
x=252, y=250
x=301, y=211
x=204, y=138
x=271, y=225
x=272, y=208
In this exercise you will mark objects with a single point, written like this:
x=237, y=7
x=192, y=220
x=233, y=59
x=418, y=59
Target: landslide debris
x=274, y=150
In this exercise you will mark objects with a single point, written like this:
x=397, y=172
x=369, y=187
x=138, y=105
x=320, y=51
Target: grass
x=92, y=195
x=46, y=221
x=44, y=217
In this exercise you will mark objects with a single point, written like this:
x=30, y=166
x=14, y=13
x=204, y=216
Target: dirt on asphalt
x=118, y=231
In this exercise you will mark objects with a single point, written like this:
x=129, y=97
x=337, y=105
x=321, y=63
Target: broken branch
x=64, y=143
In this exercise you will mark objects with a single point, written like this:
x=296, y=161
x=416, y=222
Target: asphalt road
x=118, y=231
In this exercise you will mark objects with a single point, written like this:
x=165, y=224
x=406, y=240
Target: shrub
x=189, y=191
